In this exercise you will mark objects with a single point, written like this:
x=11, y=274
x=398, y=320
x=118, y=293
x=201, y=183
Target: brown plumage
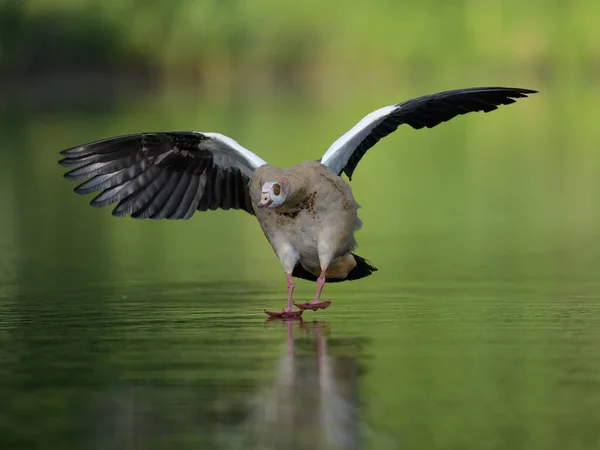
x=319, y=210
x=307, y=212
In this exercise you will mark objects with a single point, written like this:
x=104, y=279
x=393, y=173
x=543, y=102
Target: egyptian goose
x=307, y=212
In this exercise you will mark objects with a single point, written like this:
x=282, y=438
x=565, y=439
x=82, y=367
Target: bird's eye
x=276, y=189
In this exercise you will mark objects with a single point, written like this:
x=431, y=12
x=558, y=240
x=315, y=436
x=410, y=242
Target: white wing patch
x=338, y=154
x=227, y=147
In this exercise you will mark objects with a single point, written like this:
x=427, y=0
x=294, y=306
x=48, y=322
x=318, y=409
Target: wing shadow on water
x=312, y=400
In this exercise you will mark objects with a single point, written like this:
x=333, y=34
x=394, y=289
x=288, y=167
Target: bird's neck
x=297, y=191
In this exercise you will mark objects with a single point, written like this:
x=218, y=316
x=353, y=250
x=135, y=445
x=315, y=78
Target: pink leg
x=316, y=303
x=320, y=285
x=288, y=311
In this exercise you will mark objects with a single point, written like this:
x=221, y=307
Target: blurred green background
x=482, y=320
x=285, y=81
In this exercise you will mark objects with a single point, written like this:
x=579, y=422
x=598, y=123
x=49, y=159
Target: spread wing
x=166, y=175
x=427, y=111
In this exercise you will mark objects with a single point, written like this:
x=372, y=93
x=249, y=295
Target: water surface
x=479, y=331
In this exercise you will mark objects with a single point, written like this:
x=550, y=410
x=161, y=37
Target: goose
x=307, y=212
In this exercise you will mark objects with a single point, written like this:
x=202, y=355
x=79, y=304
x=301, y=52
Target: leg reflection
x=312, y=399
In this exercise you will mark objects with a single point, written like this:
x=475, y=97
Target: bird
x=307, y=212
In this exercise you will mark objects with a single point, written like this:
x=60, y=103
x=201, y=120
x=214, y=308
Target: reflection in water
x=312, y=401
x=307, y=398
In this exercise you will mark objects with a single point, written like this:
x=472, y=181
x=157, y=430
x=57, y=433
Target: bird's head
x=272, y=194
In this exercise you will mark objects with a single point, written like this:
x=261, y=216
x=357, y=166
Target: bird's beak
x=264, y=204
x=265, y=200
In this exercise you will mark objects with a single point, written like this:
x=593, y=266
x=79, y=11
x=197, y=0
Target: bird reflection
x=312, y=402
x=307, y=400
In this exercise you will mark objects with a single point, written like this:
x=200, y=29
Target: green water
x=479, y=331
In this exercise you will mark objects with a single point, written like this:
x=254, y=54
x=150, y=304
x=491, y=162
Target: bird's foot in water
x=314, y=305
x=285, y=313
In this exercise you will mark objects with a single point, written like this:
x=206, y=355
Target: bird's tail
x=362, y=269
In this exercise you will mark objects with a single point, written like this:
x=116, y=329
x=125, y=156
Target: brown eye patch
x=276, y=189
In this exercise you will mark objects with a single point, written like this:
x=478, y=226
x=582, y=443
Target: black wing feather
x=159, y=175
x=431, y=110
x=153, y=207
x=170, y=207
x=217, y=197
